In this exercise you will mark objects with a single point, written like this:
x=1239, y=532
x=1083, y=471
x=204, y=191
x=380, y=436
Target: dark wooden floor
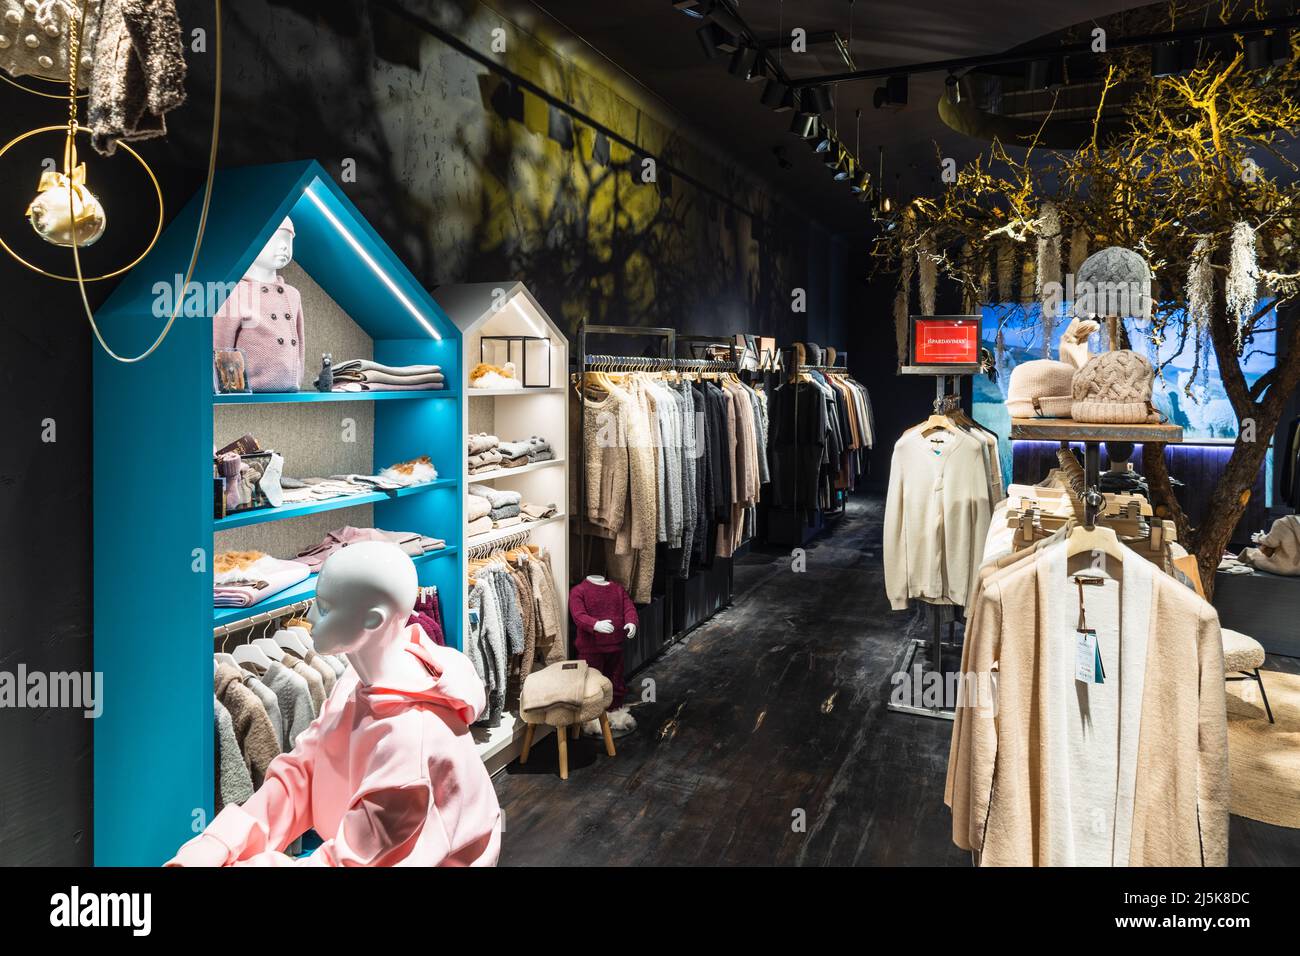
x=770, y=715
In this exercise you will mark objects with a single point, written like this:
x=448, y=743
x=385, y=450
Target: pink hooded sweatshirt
x=388, y=775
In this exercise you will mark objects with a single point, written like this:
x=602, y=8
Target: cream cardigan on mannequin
x=1009, y=783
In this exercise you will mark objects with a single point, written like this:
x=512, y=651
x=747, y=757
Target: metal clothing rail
x=520, y=538
x=248, y=623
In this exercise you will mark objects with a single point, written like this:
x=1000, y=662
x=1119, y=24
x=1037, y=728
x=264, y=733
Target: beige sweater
x=1164, y=798
x=936, y=517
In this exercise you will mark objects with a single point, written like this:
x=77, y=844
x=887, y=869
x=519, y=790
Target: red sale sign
x=945, y=340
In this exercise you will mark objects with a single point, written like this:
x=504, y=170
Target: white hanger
x=303, y=635
x=289, y=641
x=269, y=648
x=250, y=653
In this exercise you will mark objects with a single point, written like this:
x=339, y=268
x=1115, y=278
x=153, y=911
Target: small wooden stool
x=595, y=705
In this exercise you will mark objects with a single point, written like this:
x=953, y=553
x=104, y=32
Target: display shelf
x=500, y=534
x=1067, y=430
x=284, y=398
x=242, y=519
x=303, y=591
x=155, y=551
x=506, y=309
x=939, y=369
x=513, y=472
x=511, y=392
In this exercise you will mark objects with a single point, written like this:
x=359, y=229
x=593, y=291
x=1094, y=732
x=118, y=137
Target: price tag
x=1086, y=657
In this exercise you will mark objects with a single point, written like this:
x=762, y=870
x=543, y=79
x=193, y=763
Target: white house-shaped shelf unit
x=509, y=309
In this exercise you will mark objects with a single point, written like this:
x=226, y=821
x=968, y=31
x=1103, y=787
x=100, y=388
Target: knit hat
x=1040, y=389
x=1114, y=388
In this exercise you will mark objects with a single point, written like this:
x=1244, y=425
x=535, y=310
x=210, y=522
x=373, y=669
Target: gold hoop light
x=107, y=275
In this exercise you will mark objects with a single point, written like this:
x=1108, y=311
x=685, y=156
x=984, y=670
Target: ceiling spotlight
x=1166, y=59
x=953, y=86
x=777, y=96
x=721, y=14
x=714, y=40
x=846, y=170
x=893, y=93
x=1279, y=46
x=816, y=99
x=823, y=142
x=833, y=157
x=747, y=64
x=692, y=8
x=862, y=183
x=1045, y=74
x=1257, y=51
x=804, y=126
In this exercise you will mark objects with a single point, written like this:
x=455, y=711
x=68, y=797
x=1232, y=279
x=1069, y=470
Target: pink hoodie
x=388, y=775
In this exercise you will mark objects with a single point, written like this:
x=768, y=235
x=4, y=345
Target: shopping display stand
x=1065, y=431
x=932, y=648
x=154, y=521
x=506, y=318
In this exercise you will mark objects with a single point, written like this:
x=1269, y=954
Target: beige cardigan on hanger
x=1008, y=783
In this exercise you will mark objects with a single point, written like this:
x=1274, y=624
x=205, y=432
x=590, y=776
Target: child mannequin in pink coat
x=388, y=774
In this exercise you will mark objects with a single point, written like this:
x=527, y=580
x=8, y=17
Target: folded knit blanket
x=496, y=497
x=387, y=378
x=478, y=526
x=507, y=522
x=544, y=455
x=482, y=442
x=516, y=462
x=531, y=512
x=476, y=506
x=505, y=511
x=563, y=684
x=387, y=387
x=366, y=365
x=536, y=443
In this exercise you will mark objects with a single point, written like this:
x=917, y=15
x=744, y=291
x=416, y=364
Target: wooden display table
x=1068, y=430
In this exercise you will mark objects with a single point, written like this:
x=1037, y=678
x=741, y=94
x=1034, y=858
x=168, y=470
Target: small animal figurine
x=325, y=381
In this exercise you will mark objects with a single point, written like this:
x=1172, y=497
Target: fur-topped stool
x=565, y=696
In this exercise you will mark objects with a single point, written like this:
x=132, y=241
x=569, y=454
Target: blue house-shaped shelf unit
x=154, y=524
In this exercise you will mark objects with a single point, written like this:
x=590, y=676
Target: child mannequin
x=601, y=609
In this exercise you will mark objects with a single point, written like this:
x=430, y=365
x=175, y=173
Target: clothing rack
x=520, y=538
x=248, y=623
x=944, y=402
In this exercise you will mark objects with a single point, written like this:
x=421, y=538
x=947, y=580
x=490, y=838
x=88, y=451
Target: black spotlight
x=1257, y=56
x=846, y=170
x=723, y=17
x=804, y=126
x=824, y=142
x=1279, y=46
x=893, y=93
x=833, y=157
x=953, y=87
x=692, y=8
x=1166, y=59
x=747, y=64
x=862, y=182
x=714, y=40
x=816, y=99
x=777, y=96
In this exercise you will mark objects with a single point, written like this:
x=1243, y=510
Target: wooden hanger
x=1098, y=538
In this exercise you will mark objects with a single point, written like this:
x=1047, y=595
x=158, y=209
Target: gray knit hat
x=1114, y=388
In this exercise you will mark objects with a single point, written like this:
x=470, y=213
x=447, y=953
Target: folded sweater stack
x=514, y=454
x=363, y=375
x=484, y=453
x=539, y=449
x=503, y=504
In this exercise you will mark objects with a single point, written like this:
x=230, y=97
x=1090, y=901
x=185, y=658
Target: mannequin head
x=276, y=254
x=364, y=595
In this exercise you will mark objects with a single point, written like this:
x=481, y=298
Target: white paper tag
x=1085, y=657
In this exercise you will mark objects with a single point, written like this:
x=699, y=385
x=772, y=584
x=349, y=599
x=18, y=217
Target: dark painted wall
x=462, y=192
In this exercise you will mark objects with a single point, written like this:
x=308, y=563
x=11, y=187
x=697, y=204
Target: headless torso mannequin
x=388, y=774
x=621, y=720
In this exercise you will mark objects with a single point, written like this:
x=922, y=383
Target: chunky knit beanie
x=1040, y=389
x=1114, y=388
